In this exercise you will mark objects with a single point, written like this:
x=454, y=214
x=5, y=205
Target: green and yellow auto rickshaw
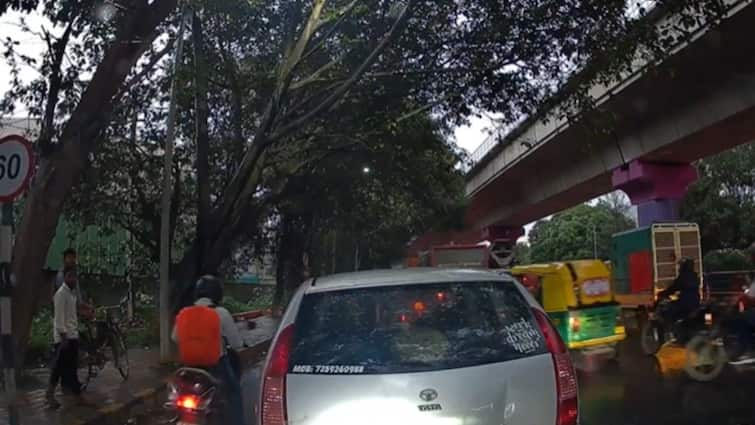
x=578, y=297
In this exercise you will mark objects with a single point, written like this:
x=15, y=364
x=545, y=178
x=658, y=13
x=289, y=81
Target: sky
x=31, y=45
x=471, y=136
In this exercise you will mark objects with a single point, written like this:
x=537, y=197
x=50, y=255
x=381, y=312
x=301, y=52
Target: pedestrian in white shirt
x=70, y=260
x=66, y=337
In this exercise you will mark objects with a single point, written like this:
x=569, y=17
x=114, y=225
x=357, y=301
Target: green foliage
x=727, y=260
x=258, y=303
x=362, y=220
x=572, y=234
x=722, y=201
x=274, y=101
x=148, y=333
x=523, y=253
x=40, y=342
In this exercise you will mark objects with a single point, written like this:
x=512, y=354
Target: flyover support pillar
x=655, y=188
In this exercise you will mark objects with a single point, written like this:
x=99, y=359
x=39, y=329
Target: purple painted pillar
x=655, y=188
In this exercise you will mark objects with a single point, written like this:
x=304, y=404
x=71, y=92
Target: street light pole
x=165, y=304
x=595, y=241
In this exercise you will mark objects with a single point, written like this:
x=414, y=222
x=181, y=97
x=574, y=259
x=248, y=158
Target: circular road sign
x=16, y=166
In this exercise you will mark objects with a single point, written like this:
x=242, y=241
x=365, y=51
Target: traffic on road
x=386, y=212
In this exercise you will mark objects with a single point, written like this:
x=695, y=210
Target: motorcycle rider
x=687, y=285
x=208, y=292
x=746, y=327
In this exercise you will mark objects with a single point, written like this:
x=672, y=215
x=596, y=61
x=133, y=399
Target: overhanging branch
x=343, y=88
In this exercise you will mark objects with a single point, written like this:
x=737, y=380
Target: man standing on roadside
x=69, y=263
x=66, y=336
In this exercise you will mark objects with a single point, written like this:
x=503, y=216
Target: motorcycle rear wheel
x=651, y=337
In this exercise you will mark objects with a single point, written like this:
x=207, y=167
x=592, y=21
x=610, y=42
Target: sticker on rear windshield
x=333, y=369
x=522, y=336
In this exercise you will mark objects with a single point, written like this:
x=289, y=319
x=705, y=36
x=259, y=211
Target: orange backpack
x=199, y=335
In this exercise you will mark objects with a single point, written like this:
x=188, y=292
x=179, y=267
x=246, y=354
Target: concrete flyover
x=700, y=101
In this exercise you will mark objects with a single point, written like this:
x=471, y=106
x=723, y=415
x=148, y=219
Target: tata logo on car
x=428, y=395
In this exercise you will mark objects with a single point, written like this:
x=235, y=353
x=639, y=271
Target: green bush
x=40, y=340
x=727, y=260
x=259, y=303
x=147, y=335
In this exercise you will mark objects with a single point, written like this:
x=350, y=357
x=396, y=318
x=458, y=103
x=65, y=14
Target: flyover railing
x=600, y=93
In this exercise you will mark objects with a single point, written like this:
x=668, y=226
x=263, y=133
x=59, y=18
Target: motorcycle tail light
x=188, y=402
x=193, y=402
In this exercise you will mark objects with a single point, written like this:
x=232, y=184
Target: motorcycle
x=661, y=326
x=708, y=353
x=194, y=395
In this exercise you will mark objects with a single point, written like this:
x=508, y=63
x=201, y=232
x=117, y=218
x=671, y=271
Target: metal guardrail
x=485, y=147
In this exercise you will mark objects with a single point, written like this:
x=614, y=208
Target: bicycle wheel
x=89, y=371
x=120, y=355
x=87, y=368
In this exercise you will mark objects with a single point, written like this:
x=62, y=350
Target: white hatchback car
x=417, y=347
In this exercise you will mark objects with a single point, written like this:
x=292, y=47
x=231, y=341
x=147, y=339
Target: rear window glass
x=413, y=328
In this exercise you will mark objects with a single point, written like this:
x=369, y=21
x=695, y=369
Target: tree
x=357, y=208
x=727, y=260
x=287, y=70
x=618, y=202
x=722, y=201
x=522, y=253
x=576, y=233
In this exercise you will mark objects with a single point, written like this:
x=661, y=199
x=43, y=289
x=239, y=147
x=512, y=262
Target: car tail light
x=566, y=378
x=274, y=384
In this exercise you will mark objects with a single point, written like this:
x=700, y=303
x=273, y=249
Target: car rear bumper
x=618, y=336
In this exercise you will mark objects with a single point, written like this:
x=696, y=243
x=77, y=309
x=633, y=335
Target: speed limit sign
x=16, y=166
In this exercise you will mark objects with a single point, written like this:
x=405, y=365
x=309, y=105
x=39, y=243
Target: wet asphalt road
x=635, y=392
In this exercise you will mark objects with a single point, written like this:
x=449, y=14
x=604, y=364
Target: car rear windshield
x=413, y=328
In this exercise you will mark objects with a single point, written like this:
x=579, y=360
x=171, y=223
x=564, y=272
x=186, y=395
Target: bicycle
x=103, y=341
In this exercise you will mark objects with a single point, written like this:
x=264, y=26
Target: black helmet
x=687, y=264
x=209, y=286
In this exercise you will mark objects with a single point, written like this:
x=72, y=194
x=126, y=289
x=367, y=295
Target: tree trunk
x=60, y=170
x=290, y=269
x=202, y=136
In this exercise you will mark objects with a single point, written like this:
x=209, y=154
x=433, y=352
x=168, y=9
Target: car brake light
x=274, y=384
x=567, y=407
x=419, y=307
x=188, y=402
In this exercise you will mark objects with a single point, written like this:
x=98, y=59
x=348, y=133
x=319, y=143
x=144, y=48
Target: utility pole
x=594, y=241
x=165, y=289
x=6, y=293
x=16, y=165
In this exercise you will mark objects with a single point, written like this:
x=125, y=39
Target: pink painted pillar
x=655, y=188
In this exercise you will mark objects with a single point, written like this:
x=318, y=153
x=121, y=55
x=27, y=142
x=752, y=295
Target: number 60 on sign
x=16, y=166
